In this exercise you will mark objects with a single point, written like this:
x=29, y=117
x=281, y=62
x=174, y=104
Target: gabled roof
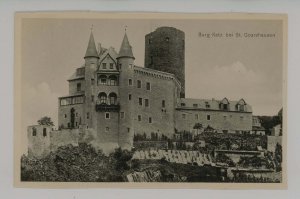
x=225, y=101
x=91, y=50
x=242, y=102
x=109, y=52
x=126, y=49
x=209, y=104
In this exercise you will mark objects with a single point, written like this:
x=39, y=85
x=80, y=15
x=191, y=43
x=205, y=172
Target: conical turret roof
x=91, y=50
x=125, y=50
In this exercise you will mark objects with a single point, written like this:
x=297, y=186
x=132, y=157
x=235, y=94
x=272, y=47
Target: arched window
x=113, y=80
x=113, y=98
x=102, y=79
x=102, y=97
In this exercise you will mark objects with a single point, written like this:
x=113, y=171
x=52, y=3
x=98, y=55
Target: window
x=65, y=115
x=92, y=98
x=242, y=108
x=106, y=129
x=33, y=131
x=149, y=41
x=151, y=59
x=111, y=66
x=150, y=120
x=92, y=81
x=104, y=65
x=129, y=97
x=122, y=115
x=139, y=118
x=120, y=66
x=183, y=116
x=139, y=84
x=167, y=39
x=87, y=115
x=163, y=103
x=128, y=130
x=130, y=82
x=69, y=125
x=113, y=98
x=76, y=114
x=225, y=106
x=182, y=104
x=102, y=79
x=113, y=80
x=195, y=105
x=207, y=105
x=130, y=66
x=148, y=86
x=196, y=116
x=102, y=97
x=44, y=132
x=146, y=102
x=141, y=101
x=107, y=116
x=241, y=117
x=78, y=86
x=208, y=117
x=224, y=117
x=76, y=123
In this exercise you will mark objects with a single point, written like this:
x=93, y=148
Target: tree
x=45, y=121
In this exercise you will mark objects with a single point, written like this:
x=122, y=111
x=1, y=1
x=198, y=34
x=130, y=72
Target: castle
x=111, y=99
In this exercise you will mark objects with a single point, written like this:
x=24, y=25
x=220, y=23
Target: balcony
x=107, y=107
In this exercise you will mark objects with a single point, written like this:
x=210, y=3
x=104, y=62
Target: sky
x=215, y=67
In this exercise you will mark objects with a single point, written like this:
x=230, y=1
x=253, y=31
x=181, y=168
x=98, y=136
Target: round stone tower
x=164, y=51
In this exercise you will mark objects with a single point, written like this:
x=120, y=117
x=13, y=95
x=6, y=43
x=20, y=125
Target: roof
x=78, y=74
x=126, y=49
x=258, y=128
x=91, y=50
x=111, y=52
x=159, y=73
x=209, y=104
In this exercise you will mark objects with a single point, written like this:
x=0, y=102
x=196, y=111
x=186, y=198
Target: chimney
x=99, y=49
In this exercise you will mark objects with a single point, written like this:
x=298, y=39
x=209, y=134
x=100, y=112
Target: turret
x=91, y=54
x=91, y=61
x=125, y=56
x=126, y=68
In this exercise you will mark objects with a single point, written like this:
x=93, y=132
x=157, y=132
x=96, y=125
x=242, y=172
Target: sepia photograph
x=150, y=100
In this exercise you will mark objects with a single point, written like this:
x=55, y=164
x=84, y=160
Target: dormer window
x=241, y=105
x=207, y=105
x=111, y=66
x=224, y=104
x=103, y=65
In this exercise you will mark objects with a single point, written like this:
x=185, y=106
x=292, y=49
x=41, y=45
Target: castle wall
x=64, y=115
x=64, y=137
x=165, y=51
x=38, y=140
x=107, y=128
x=73, y=86
x=219, y=120
x=162, y=117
